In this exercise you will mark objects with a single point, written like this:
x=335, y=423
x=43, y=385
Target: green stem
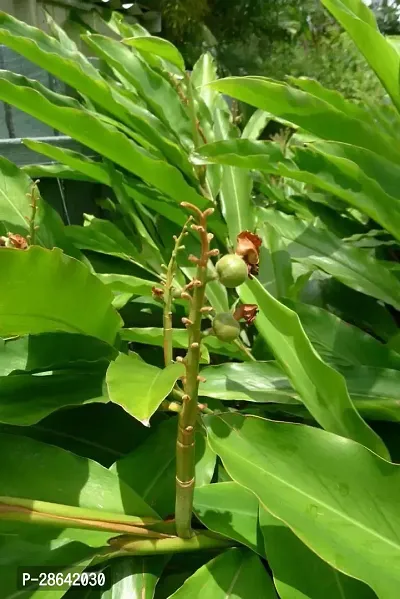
x=185, y=447
x=167, y=314
x=34, y=196
x=205, y=540
x=16, y=509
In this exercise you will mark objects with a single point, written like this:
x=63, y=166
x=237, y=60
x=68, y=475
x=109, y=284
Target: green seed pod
x=231, y=270
x=225, y=327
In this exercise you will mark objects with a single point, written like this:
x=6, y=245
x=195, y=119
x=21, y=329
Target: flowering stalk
x=185, y=447
x=168, y=298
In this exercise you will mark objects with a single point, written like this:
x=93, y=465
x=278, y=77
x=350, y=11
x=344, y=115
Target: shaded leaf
x=230, y=510
x=156, y=482
x=48, y=291
x=236, y=573
x=298, y=572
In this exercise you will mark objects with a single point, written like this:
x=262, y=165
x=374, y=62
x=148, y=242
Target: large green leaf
x=362, y=28
x=102, y=137
x=322, y=389
x=231, y=510
x=308, y=112
x=156, y=481
x=340, y=342
x=318, y=247
x=374, y=391
x=140, y=387
x=316, y=483
x=299, y=572
x=47, y=291
x=237, y=574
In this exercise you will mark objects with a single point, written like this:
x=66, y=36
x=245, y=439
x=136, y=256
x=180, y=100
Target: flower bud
x=225, y=327
x=232, y=270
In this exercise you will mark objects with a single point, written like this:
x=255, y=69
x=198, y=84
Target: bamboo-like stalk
x=205, y=540
x=185, y=446
x=65, y=516
x=168, y=285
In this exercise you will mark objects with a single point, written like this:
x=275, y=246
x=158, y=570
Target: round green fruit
x=231, y=270
x=225, y=327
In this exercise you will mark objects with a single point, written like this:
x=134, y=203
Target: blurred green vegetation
x=275, y=38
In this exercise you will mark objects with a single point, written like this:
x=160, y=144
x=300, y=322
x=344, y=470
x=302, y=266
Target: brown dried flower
x=247, y=312
x=157, y=293
x=248, y=247
x=16, y=241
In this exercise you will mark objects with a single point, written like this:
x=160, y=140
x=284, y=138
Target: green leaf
x=52, y=351
x=103, y=236
x=322, y=389
x=47, y=291
x=135, y=577
x=79, y=73
x=236, y=183
x=62, y=555
x=374, y=391
x=15, y=210
x=103, y=138
x=275, y=264
x=236, y=573
x=318, y=247
x=128, y=284
x=27, y=398
x=298, y=572
x=339, y=342
x=256, y=124
x=158, y=46
x=308, y=112
x=347, y=180
x=205, y=71
x=139, y=387
x=230, y=510
x=155, y=336
x=315, y=482
x=361, y=26
x=37, y=471
x=156, y=482
x=158, y=93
